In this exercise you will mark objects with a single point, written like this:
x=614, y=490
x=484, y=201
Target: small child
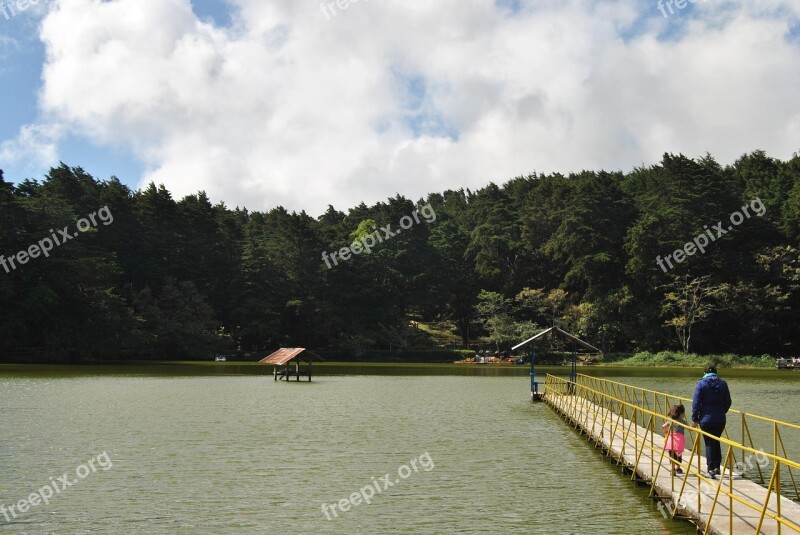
x=676, y=442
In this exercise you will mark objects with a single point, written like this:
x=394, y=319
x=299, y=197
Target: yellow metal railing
x=660, y=402
x=631, y=414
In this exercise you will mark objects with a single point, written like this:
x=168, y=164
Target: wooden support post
x=297, y=369
x=310, y=362
x=275, y=371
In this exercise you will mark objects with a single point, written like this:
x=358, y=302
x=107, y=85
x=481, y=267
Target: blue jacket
x=711, y=401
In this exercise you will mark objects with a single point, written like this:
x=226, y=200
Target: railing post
x=775, y=439
x=766, y=499
x=789, y=468
x=778, y=493
x=651, y=424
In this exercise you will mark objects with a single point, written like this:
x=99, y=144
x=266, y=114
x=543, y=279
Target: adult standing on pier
x=711, y=402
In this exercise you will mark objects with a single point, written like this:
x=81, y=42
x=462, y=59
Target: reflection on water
x=217, y=449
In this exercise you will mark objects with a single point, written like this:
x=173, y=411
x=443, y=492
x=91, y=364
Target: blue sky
x=21, y=57
x=20, y=78
x=262, y=103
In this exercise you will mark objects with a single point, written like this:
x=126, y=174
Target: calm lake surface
x=225, y=449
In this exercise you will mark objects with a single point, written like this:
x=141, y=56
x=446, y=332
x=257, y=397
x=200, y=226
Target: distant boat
x=220, y=359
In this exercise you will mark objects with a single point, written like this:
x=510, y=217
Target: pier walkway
x=757, y=491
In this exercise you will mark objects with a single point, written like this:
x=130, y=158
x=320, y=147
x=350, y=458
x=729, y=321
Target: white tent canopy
x=556, y=331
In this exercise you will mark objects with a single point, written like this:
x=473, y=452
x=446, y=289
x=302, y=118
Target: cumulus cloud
x=298, y=105
x=35, y=146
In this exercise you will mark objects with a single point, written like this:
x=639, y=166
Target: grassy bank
x=673, y=359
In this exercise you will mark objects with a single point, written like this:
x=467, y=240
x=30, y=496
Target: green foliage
x=689, y=302
x=690, y=360
x=365, y=228
x=184, y=278
x=494, y=312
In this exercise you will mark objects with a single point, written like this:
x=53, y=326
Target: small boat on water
x=220, y=358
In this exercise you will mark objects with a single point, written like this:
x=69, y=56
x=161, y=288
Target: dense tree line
x=188, y=278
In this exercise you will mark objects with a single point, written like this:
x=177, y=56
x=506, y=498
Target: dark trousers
x=713, y=449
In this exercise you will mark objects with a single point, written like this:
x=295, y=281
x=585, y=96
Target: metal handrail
x=744, y=416
x=689, y=400
x=613, y=398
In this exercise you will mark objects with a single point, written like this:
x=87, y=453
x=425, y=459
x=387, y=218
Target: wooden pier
x=625, y=428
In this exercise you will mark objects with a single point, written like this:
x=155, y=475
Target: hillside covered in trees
x=185, y=278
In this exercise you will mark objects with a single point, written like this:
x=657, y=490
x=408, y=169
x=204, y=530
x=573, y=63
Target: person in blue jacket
x=711, y=402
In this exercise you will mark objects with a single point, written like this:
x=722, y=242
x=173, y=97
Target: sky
x=303, y=104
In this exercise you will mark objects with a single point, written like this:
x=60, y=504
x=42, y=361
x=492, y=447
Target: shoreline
x=254, y=365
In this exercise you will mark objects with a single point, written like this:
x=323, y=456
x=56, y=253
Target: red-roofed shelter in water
x=284, y=357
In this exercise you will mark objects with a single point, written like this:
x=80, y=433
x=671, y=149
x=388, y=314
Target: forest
x=612, y=256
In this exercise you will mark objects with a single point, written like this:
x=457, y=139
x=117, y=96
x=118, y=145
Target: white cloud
x=288, y=106
x=35, y=146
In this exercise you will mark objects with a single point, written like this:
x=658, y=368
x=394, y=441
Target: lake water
x=225, y=449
